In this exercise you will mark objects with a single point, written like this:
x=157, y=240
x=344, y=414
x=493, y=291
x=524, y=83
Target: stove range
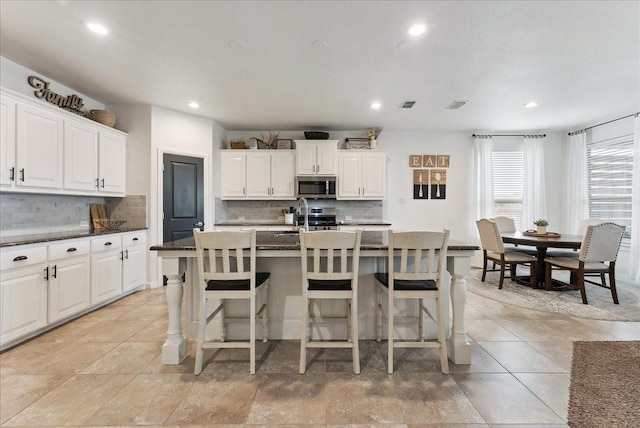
x=320, y=219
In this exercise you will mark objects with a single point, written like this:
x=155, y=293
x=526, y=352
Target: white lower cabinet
x=134, y=263
x=23, y=292
x=69, y=285
x=106, y=268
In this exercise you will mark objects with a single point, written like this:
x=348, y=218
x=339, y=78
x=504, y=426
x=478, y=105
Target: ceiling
x=255, y=66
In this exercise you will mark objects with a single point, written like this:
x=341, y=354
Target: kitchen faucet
x=306, y=213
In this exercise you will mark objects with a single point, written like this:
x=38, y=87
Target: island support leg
x=174, y=349
x=459, y=348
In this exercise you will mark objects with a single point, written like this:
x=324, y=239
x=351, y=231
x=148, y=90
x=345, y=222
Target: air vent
x=456, y=105
x=407, y=104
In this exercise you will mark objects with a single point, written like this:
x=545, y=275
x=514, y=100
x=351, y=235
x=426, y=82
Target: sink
x=281, y=237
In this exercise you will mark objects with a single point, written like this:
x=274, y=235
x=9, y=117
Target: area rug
x=604, y=389
x=569, y=302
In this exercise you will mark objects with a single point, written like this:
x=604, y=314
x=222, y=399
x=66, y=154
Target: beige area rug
x=569, y=302
x=604, y=390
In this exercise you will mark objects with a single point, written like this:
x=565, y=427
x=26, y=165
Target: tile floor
x=104, y=369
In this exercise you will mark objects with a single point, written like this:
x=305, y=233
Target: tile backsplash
x=26, y=214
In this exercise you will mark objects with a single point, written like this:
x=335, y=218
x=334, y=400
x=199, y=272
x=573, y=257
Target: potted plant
x=541, y=225
x=372, y=135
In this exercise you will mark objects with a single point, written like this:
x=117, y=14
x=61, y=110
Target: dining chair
x=493, y=250
x=416, y=263
x=329, y=272
x=598, y=254
x=508, y=225
x=227, y=271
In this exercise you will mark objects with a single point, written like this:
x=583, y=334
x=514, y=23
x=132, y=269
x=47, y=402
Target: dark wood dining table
x=542, y=243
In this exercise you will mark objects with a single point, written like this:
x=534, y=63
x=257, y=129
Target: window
x=609, y=175
x=508, y=166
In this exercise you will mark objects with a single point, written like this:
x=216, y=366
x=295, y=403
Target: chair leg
x=444, y=359
x=223, y=322
x=378, y=314
x=201, y=336
x=252, y=335
x=354, y=335
x=583, y=291
x=349, y=321
x=603, y=279
x=484, y=266
x=612, y=284
x=303, y=335
x=501, y=276
x=265, y=314
x=512, y=271
x=420, y=320
x=390, y=311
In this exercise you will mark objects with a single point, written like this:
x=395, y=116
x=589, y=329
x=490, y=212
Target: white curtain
x=483, y=173
x=577, y=196
x=634, y=260
x=533, y=195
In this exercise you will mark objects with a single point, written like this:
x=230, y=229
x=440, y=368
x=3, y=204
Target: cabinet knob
x=135, y=239
x=71, y=250
x=107, y=243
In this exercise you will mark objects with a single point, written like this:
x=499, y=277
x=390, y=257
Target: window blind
x=610, y=177
x=508, y=184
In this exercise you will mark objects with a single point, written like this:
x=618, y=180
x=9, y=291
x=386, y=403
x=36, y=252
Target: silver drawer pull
x=71, y=250
x=20, y=258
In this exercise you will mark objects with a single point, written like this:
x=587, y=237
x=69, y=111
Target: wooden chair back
x=422, y=255
x=330, y=259
x=226, y=255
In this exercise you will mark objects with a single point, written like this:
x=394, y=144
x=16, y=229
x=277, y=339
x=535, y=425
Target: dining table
x=542, y=242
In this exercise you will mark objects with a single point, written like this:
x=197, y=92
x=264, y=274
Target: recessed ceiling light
x=194, y=104
x=531, y=104
x=376, y=105
x=97, y=28
x=417, y=29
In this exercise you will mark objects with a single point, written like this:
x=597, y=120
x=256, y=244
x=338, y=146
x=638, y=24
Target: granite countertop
x=280, y=223
x=10, y=241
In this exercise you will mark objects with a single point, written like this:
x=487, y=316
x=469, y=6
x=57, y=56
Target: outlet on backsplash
x=348, y=217
x=84, y=224
x=241, y=218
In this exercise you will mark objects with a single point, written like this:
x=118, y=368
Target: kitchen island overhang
x=178, y=260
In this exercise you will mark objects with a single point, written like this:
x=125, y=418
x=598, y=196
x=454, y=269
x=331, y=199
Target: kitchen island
x=280, y=255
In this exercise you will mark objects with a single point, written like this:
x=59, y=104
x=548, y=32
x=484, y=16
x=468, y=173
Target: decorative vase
x=541, y=229
x=373, y=144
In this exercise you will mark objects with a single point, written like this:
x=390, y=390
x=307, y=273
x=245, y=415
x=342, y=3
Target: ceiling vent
x=456, y=105
x=407, y=104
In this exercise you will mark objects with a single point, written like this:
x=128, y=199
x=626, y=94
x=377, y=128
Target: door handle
x=198, y=224
x=12, y=174
x=21, y=174
x=102, y=183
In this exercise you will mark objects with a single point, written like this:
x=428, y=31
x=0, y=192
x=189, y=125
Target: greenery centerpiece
x=541, y=225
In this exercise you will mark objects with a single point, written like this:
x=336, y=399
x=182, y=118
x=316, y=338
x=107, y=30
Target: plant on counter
x=372, y=133
x=269, y=141
x=541, y=222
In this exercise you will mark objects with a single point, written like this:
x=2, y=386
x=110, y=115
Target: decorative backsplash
x=264, y=211
x=26, y=214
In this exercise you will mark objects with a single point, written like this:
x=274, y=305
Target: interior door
x=183, y=196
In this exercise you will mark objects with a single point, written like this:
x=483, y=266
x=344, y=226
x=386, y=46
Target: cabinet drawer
x=68, y=249
x=21, y=257
x=111, y=242
x=135, y=238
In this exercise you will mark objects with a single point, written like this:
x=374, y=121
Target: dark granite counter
x=10, y=241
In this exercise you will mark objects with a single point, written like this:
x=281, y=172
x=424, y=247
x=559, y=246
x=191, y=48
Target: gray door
x=183, y=196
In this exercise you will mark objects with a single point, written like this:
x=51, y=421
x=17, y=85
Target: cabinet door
x=106, y=276
x=349, y=176
x=39, y=148
x=134, y=267
x=69, y=289
x=283, y=175
x=258, y=175
x=233, y=175
x=7, y=141
x=80, y=156
x=305, y=158
x=23, y=302
x=373, y=175
x=327, y=157
x=112, y=171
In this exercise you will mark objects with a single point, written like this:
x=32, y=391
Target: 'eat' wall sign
x=429, y=177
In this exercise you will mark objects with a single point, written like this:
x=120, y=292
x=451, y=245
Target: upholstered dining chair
x=493, y=250
x=227, y=271
x=416, y=262
x=598, y=254
x=332, y=274
x=507, y=224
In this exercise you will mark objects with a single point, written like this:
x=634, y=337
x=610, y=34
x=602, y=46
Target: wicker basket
x=104, y=117
x=316, y=135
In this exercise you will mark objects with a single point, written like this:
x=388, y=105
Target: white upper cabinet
x=47, y=150
x=7, y=141
x=261, y=174
x=80, y=156
x=361, y=175
x=316, y=157
x=39, y=147
x=112, y=155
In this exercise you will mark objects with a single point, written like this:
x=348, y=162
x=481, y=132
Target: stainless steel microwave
x=316, y=187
